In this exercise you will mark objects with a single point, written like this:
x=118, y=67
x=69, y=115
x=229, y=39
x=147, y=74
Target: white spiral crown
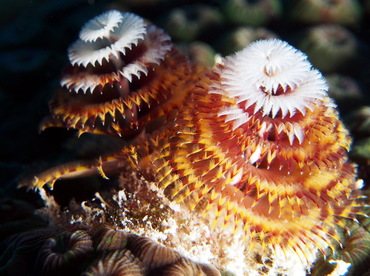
x=106, y=35
x=274, y=77
x=111, y=37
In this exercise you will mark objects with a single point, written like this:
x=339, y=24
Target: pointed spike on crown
x=101, y=26
x=106, y=35
x=109, y=46
x=273, y=77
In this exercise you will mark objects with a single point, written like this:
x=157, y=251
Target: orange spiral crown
x=260, y=149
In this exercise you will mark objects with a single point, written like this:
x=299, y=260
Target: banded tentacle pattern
x=123, y=74
x=260, y=149
x=254, y=144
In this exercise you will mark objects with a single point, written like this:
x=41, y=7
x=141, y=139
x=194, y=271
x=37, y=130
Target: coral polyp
x=60, y=254
x=151, y=254
x=117, y=263
x=331, y=48
x=186, y=267
x=343, y=12
x=123, y=75
x=254, y=13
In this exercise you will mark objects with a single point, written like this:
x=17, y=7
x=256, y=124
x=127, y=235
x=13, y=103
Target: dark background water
x=34, y=38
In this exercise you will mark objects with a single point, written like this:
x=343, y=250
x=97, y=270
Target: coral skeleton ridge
x=253, y=146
